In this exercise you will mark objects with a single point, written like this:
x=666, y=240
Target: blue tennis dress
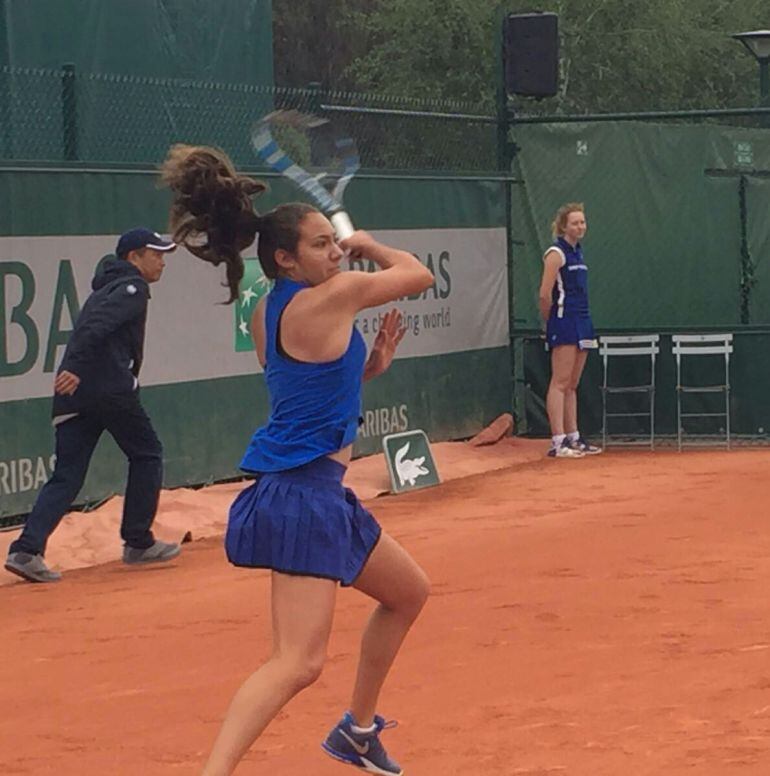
x=569, y=322
x=297, y=517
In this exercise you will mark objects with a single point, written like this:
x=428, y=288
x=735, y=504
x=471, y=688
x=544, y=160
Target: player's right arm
x=333, y=305
x=401, y=274
x=552, y=263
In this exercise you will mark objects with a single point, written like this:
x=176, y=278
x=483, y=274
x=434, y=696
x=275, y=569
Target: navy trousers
x=124, y=418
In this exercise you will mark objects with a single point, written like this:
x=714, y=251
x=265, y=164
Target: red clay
x=599, y=617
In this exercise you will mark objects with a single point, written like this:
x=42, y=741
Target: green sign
x=254, y=286
x=410, y=462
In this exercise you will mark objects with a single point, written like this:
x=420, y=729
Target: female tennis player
x=569, y=330
x=297, y=519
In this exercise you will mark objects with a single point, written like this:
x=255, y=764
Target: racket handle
x=342, y=224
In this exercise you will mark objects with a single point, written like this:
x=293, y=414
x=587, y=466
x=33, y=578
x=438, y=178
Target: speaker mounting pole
x=506, y=151
x=528, y=65
x=505, y=114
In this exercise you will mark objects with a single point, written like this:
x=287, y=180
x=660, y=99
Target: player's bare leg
x=303, y=610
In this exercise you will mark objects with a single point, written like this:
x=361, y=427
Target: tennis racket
x=343, y=152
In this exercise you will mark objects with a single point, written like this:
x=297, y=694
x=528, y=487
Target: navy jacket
x=107, y=343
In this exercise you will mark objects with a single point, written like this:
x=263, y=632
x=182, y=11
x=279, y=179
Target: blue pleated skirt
x=571, y=330
x=302, y=521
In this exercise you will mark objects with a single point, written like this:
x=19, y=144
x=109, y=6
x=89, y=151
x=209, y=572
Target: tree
x=615, y=54
x=660, y=54
x=316, y=40
x=431, y=49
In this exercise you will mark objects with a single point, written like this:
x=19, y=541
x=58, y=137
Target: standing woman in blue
x=569, y=331
x=297, y=519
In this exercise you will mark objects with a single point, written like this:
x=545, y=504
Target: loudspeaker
x=531, y=54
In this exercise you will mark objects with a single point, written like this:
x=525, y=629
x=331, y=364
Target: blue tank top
x=570, y=291
x=314, y=408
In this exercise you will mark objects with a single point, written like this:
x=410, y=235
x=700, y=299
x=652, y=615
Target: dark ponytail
x=213, y=217
x=211, y=214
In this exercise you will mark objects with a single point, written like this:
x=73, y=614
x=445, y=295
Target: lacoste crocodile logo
x=409, y=469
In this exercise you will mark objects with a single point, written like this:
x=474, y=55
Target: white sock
x=573, y=436
x=557, y=440
x=363, y=731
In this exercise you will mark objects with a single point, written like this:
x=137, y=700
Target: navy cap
x=136, y=239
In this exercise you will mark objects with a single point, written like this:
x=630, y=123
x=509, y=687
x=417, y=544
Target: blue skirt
x=571, y=330
x=302, y=521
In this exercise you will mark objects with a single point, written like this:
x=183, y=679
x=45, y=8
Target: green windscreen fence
x=224, y=42
x=200, y=379
x=664, y=211
x=120, y=80
x=678, y=240
x=758, y=242
x=78, y=158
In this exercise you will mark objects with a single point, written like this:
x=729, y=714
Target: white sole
x=368, y=766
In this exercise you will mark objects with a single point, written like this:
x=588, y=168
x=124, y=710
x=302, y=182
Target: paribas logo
x=379, y=421
x=254, y=286
x=20, y=475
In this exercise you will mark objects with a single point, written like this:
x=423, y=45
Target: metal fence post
x=69, y=109
x=505, y=153
x=747, y=266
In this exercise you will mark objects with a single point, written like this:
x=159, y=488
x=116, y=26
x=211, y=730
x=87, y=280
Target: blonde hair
x=562, y=214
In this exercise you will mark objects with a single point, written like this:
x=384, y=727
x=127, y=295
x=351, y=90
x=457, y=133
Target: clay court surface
x=605, y=616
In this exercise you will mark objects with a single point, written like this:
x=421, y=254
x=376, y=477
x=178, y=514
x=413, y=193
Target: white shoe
x=584, y=446
x=565, y=451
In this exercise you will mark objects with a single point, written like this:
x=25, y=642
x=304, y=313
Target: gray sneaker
x=155, y=553
x=30, y=567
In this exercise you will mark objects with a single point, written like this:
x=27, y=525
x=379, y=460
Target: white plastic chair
x=643, y=345
x=702, y=345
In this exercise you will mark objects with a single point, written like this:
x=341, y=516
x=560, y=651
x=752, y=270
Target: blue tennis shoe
x=363, y=750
